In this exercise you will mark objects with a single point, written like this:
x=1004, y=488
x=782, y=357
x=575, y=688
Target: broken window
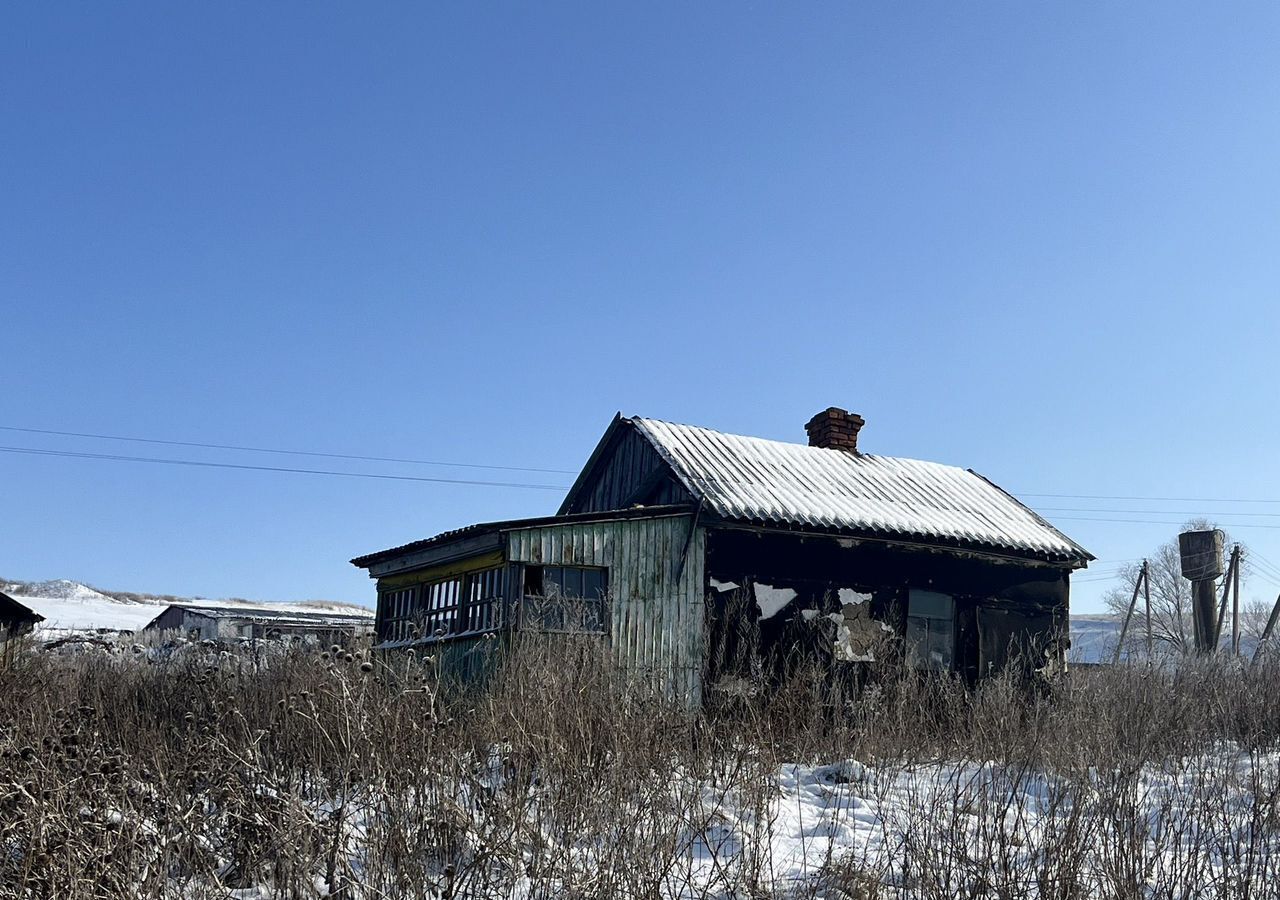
x=565, y=598
x=482, y=602
x=395, y=613
x=931, y=637
x=459, y=604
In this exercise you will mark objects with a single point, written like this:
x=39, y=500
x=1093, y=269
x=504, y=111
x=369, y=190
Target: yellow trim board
x=441, y=572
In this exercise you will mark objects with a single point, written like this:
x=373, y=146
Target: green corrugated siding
x=656, y=619
x=459, y=662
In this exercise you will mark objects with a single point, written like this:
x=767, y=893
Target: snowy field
x=1094, y=637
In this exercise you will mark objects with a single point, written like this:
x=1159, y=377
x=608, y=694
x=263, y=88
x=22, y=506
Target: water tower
x=1202, y=565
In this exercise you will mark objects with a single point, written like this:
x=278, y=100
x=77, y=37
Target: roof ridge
x=766, y=481
x=803, y=446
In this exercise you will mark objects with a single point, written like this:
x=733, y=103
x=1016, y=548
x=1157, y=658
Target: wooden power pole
x=1232, y=579
x=1266, y=632
x=1133, y=601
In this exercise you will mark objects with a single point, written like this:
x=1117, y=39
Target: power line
x=1262, y=573
x=221, y=465
x=1157, y=522
x=247, y=449
x=1260, y=563
x=1159, y=499
x=1156, y=512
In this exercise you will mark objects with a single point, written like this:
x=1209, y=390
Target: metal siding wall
x=656, y=620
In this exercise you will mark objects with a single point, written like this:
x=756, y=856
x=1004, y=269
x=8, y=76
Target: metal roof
x=277, y=615
x=757, y=480
x=645, y=512
x=12, y=610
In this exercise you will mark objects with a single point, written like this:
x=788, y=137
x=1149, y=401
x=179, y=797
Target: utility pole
x=1146, y=594
x=1266, y=632
x=1201, y=553
x=1233, y=577
x=1235, y=607
x=1124, y=628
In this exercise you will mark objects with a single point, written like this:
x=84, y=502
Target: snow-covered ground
x=1094, y=637
x=962, y=817
x=69, y=607
x=935, y=829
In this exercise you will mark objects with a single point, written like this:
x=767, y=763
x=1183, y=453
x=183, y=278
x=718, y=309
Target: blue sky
x=1036, y=240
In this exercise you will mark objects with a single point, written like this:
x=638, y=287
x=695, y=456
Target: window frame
x=543, y=601
x=932, y=627
x=463, y=604
x=395, y=612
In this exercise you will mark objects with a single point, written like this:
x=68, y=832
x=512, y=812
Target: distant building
x=226, y=623
x=15, y=619
x=710, y=558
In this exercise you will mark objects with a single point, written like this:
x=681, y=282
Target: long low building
x=225, y=623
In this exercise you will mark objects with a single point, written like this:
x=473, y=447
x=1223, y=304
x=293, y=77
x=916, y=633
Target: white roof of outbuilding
x=758, y=480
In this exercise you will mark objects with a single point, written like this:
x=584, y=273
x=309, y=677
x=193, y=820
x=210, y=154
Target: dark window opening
x=395, y=613
x=931, y=636
x=565, y=598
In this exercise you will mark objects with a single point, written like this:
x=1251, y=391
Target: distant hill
x=1094, y=637
x=72, y=607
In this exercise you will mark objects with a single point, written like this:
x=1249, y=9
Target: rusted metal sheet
x=761, y=481
x=655, y=621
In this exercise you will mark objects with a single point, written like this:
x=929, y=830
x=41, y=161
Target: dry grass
x=215, y=775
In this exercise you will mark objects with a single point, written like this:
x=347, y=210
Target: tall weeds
x=308, y=774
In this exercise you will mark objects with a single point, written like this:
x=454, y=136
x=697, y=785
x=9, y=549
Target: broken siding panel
x=652, y=626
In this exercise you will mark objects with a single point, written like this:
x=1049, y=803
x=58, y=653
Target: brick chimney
x=835, y=429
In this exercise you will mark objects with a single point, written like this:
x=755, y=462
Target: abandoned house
x=230, y=623
x=707, y=558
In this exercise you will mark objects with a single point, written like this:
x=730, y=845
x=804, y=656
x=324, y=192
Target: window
x=460, y=604
x=930, y=630
x=565, y=598
x=440, y=607
x=395, y=610
x=482, y=606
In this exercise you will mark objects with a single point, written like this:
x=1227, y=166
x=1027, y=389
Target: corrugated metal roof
x=647, y=512
x=277, y=615
x=758, y=480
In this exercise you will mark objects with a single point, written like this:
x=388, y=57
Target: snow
x=1094, y=637
x=772, y=600
x=62, y=589
x=85, y=614
x=868, y=815
x=758, y=480
x=849, y=595
x=724, y=585
x=978, y=823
